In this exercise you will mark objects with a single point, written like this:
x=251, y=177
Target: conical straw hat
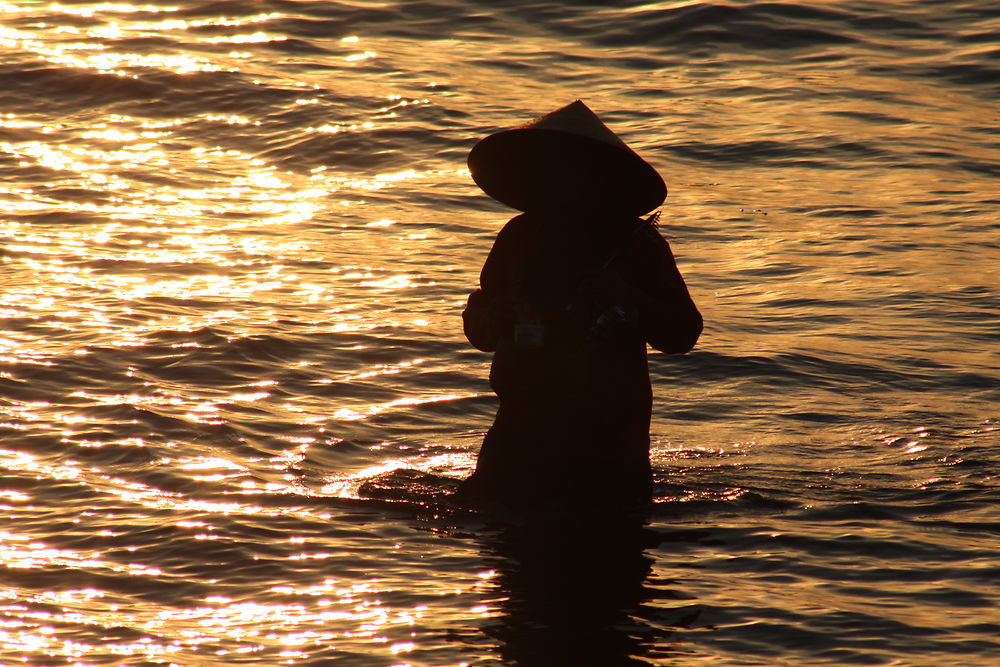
x=565, y=160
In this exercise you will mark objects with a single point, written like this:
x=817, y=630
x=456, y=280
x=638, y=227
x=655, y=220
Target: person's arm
x=484, y=319
x=489, y=311
x=665, y=314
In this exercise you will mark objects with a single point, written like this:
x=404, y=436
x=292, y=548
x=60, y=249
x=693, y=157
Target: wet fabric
x=570, y=367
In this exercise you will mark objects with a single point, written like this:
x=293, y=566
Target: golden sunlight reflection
x=145, y=236
x=147, y=496
x=109, y=8
x=356, y=57
x=338, y=182
x=253, y=38
x=22, y=552
x=390, y=283
x=448, y=464
x=121, y=21
x=378, y=369
x=91, y=55
x=290, y=619
x=349, y=414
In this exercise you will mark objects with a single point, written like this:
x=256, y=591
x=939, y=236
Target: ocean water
x=237, y=237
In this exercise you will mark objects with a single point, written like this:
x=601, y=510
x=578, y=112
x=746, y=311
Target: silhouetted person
x=570, y=294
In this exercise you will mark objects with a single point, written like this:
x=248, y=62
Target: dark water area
x=235, y=241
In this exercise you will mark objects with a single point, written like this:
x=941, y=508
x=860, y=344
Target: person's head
x=567, y=160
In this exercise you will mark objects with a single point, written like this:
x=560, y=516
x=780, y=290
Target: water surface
x=236, y=241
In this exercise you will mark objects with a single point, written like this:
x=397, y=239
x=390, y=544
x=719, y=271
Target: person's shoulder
x=651, y=233
x=653, y=246
x=519, y=226
x=521, y=221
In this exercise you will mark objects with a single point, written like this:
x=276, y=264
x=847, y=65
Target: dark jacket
x=575, y=396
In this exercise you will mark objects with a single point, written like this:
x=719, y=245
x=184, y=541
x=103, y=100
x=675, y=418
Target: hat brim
x=533, y=169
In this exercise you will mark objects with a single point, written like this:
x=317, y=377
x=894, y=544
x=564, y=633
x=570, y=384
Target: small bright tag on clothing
x=529, y=334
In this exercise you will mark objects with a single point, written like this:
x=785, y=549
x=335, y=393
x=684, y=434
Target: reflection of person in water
x=574, y=598
x=572, y=291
